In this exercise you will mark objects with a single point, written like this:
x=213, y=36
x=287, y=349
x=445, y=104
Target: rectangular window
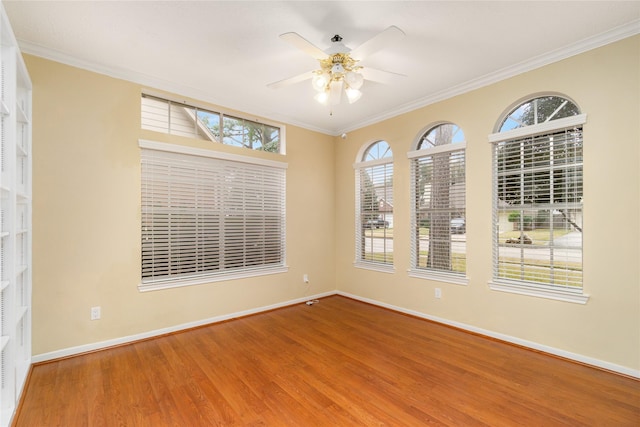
x=537, y=211
x=374, y=227
x=439, y=214
x=175, y=118
x=209, y=216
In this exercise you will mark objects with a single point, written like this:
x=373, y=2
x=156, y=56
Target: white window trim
x=222, y=112
x=421, y=273
x=374, y=266
x=180, y=149
x=211, y=277
x=439, y=276
x=357, y=166
x=577, y=296
x=538, y=129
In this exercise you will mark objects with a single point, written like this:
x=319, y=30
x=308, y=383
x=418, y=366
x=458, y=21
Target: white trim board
x=507, y=338
x=72, y=351
x=613, y=35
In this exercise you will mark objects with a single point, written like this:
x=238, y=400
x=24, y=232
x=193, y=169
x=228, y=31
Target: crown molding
x=619, y=33
x=594, y=42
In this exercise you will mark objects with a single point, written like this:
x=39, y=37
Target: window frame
x=524, y=287
x=414, y=157
x=199, y=127
x=359, y=166
x=215, y=275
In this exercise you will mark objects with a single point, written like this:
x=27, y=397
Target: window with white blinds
x=374, y=207
x=209, y=216
x=538, y=199
x=439, y=229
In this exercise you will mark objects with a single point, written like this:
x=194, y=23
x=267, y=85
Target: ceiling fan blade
x=304, y=45
x=291, y=80
x=380, y=76
x=378, y=42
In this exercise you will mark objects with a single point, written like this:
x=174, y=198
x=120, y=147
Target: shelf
x=22, y=310
x=20, y=151
x=15, y=231
x=21, y=115
x=21, y=269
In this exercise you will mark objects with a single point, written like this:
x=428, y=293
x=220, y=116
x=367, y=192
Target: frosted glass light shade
x=353, y=95
x=354, y=80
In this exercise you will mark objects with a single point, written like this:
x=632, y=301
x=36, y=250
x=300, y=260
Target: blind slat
x=205, y=216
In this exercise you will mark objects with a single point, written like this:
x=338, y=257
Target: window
x=374, y=207
x=162, y=115
x=537, y=200
x=209, y=216
x=439, y=228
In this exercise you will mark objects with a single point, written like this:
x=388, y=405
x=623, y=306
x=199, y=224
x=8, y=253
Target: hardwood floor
x=337, y=363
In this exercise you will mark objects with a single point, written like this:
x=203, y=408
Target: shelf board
x=21, y=116
x=21, y=311
x=4, y=109
x=20, y=151
x=4, y=341
x=4, y=284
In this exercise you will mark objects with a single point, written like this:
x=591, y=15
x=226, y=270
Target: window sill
x=541, y=291
x=211, y=278
x=455, y=279
x=383, y=268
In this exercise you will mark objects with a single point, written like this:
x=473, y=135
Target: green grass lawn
x=539, y=237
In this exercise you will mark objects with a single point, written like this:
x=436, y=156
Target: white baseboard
x=514, y=340
x=71, y=351
x=525, y=343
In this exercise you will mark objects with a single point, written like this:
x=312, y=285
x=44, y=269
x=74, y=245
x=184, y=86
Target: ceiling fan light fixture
x=320, y=81
x=352, y=94
x=322, y=97
x=354, y=80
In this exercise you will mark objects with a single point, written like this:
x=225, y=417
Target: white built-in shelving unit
x=15, y=221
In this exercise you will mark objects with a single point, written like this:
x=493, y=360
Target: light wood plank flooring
x=337, y=363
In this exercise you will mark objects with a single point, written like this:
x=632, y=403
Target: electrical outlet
x=95, y=313
x=438, y=293
x=305, y=278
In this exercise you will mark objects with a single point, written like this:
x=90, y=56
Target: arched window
x=439, y=229
x=537, y=199
x=374, y=206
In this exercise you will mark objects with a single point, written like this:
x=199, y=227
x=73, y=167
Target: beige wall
x=605, y=84
x=86, y=217
x=87, y=213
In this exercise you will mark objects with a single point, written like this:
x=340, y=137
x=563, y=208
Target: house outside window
x=374, y=207
x=538, y=200
x=438, y=210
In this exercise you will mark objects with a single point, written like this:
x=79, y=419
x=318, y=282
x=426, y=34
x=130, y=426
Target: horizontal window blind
x=375, y=213
x=538, y=209
x=439, y=220
x=204, y=217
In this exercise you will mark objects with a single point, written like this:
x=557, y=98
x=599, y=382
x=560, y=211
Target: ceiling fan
x=339, y=70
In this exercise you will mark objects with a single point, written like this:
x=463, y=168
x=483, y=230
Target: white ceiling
x=227, y=52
